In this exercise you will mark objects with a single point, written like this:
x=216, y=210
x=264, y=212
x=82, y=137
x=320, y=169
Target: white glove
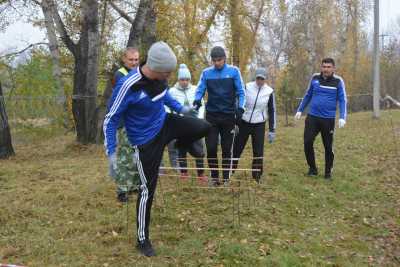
x=298, y=115
x=112, y=164
x=271, y=137
x=342, y=122
x=189, y=111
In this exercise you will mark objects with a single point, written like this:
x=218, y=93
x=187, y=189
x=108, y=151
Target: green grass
x=58, y=207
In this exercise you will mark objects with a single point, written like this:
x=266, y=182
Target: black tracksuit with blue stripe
x=139, y=102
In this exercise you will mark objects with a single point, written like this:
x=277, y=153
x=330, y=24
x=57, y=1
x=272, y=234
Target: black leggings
x=196, y=149
x=257, y=133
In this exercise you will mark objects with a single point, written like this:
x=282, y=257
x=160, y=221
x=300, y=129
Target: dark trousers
x=196, y=149
x=221, y=125
x=257, y=133
x=148, y=156
x=313, y=126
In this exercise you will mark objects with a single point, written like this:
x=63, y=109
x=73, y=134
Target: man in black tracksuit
x=138, y=99
x=225, y=89
x=324, y=92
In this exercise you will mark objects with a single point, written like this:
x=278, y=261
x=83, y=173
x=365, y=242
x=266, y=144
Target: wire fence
x=43, y=116
x=36, y=117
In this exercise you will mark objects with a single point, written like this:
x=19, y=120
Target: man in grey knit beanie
x=139, y=99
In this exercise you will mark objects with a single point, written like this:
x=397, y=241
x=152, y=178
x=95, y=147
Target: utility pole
x=376, y=91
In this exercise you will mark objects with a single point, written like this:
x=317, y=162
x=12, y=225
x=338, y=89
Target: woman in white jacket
x=184, y=93
x=260, y=104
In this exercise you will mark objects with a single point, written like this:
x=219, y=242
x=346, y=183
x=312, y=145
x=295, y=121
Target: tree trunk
x=149, y=29
x=235, y=31
x=86, y=53
x=139, y=23
x=55, y=57
x=55, y=53
x=85, y=76
x=6, y=148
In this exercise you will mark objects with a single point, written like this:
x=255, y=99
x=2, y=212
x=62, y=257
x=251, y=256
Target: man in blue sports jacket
x=324, y=91
x=224, y=108
x=139, y=99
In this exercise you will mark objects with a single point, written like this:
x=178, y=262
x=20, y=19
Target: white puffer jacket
x=185, y=96
x=260, y=105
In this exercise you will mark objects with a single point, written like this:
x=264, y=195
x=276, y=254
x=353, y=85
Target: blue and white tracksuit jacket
x=323, y=96
x=223, y=86
x=140, y=103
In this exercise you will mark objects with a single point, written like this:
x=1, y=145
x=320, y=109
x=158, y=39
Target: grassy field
x=58, y=207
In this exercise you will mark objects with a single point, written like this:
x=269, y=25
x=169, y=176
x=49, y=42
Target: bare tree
x=6, y=148
x=54, y=49
x=85, y=53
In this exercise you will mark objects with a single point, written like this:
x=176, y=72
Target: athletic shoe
x=312, y=172
x=227, y=183
x=146, y=248
x=213, y=182
x=122, y=197
x=257, y=179
x=328, y=176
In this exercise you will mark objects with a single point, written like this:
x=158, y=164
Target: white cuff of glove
x=342, y=122
x=298, y=115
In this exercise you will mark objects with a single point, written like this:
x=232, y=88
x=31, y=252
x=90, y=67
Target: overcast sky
x=20, y=34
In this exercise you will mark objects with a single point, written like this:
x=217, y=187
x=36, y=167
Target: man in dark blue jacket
x=324, y=92
x=224, y=109
x=130, y=60
x=139, y=99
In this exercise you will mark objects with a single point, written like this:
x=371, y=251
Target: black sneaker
x=312, y=172
x=214, y=182
x=122, y=197
x=227, y=183
x=257, y=178
x=146, y=248
x=328, y=176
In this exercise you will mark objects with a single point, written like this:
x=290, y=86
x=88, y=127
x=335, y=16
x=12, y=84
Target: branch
x=209, y=22
x=121, y=12
x=137, y=27
x=23, y=50
x=61, y=26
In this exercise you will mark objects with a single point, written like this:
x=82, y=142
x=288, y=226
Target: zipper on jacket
x=255, y=103
x=186, y=97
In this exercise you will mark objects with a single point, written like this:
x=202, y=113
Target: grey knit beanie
x=161, y=58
